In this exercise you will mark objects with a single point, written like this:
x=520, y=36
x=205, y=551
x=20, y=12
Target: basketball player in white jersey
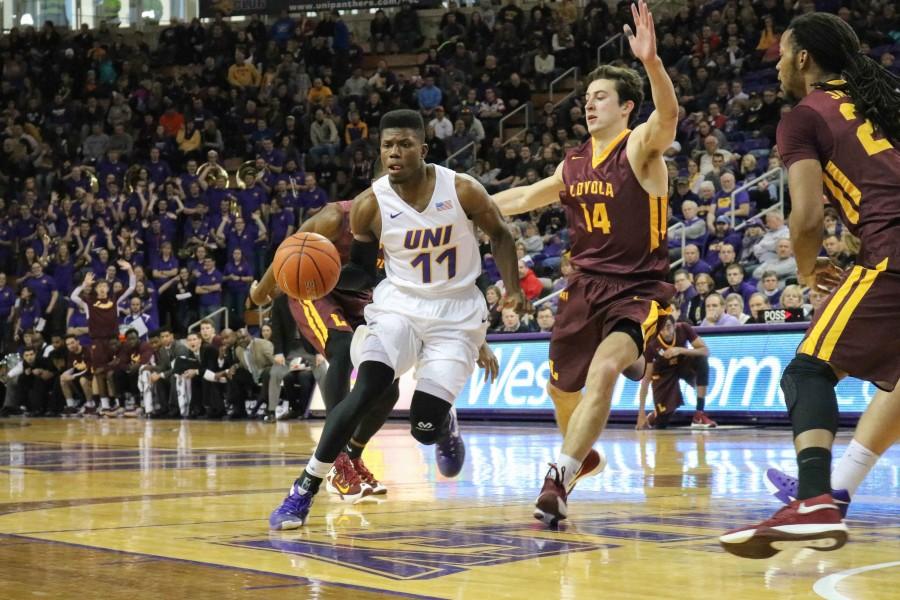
x=427, y=313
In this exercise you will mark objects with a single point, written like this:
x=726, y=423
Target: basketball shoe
x=365, y=475
x=786, y=490
x=812, y=523
x=343, y=480
x=701, y=421
x=450, y=452
x=550, y=507
x=293, y=511
x=593, y=463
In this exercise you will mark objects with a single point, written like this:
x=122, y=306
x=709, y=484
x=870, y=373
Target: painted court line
x=827, y=586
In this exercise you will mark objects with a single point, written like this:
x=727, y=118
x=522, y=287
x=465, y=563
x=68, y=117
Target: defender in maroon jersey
x=676, y=352
x=840, y=141
x=102, y=310
x=614, y=188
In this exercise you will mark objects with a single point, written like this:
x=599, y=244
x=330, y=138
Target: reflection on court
x=178, y=509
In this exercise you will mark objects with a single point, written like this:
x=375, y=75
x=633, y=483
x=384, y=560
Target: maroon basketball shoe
x=701, y=421
x=343, y=481
x=365, y=475
x=812, y=523
x=593, y=463
x=550, y=507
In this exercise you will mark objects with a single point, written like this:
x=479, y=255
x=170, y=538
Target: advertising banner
x=209, y=8
x=744, y=373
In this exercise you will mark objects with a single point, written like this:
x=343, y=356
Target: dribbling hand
x=826, y=276
x=488, y=361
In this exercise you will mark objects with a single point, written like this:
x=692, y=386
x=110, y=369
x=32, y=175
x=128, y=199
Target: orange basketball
x=306, y=266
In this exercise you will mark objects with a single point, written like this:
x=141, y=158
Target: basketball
x=306, y=266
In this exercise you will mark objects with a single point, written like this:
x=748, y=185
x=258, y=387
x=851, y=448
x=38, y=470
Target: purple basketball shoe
x=786, y=490
x=450, y=453
x=293, y=511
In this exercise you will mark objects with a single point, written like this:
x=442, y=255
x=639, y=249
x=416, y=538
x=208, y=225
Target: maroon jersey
x=616, y=227
x=684, y=333
x=861, y=170
x=103, y=317
x=80, y=361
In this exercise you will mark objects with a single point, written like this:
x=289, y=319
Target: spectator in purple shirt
x=251, y=198
x=715, y=313
x=78, y=326
x=6, y=245
x=44, y=289
x=164, y=266
x=155, y=237
x=313, y=198
x=736, y=284
x=723, y=202
x=236, y=281
x=281, y=222
x=25, y=226
x=273, y=157
x=158, y=169
x=693, y=264
x=209, y=288
x=7, y=302
x=112, y=166
x=28, y=312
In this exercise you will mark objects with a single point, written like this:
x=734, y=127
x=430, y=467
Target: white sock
x=853, y=467
x=70, y=402
x=104, y=403
x=317, y=468
x=568, y=468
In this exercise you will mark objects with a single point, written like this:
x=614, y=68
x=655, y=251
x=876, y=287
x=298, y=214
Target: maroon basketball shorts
x=589, y=308
x=337, y=311
x=101, y=353
x=858, y=329
x=666, y=384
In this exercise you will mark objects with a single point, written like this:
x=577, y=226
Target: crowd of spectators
x=114, y=150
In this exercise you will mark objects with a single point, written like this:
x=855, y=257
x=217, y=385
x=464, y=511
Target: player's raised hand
x=488, y=361
x=643, y=38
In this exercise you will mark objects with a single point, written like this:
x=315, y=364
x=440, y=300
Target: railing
x=524, y=107
x=474, y=147
x=570, y=72
x=620, y=38
x=547, y=298
x=196, y=324
x=779, y=206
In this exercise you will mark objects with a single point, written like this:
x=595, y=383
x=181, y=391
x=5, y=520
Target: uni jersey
x=432, y=253
x=616, y=227
x=860, y=170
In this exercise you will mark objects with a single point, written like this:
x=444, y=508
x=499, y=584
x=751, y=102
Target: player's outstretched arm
x=642, y=397
x=365, y=223
x=526, y=198
x=484, y=213
x=658, y=133
x=327, y=222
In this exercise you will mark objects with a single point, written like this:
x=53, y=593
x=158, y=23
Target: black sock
x=701, y=404
x=353, y=450
x=308, y=482
x=814, y=465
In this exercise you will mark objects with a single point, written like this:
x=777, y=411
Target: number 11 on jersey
x=598, y=220
x=424, y=260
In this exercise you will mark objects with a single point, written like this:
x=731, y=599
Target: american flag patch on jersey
x=444, y=205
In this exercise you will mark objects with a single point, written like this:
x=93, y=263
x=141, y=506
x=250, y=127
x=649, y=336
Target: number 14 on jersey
x=595, y=217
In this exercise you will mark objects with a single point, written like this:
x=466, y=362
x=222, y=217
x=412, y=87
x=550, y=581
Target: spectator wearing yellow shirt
x=319, y=94
x=243, y=74
x=356, y=132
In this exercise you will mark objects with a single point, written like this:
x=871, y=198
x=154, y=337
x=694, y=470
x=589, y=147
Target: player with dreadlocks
x=838, y=140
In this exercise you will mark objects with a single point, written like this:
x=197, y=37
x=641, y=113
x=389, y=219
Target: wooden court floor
x=117, y=509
